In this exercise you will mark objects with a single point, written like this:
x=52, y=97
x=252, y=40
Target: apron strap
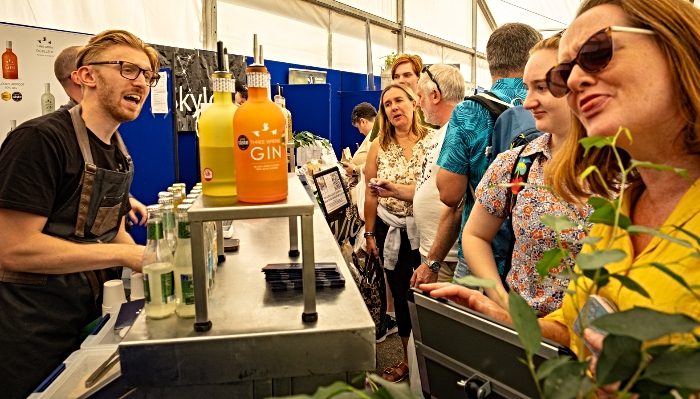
x=88, y=180
x=22, y=278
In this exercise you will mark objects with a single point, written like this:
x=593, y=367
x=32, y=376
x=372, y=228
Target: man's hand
x=423, y=275
x=472, y=299
x=138, y=207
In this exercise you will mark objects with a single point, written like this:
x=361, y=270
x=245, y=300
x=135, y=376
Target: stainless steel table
x=258, y=345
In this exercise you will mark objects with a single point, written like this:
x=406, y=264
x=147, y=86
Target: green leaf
x=627, y=133
x=591, y=240
x=605, y=211
x=619, y=359
x=473, y=281
x=599, y=259
x=651, y=390
x=657, y=349
x=674, y=276
x=566, y=381
x=550, y=365
x=675, y=368
x=595, y=141
x=525, y=322
x=654, y=232
x=693, y=236
x=645, y=324
x=631, y=285
x=557, y=223
x=551, y=259
x=663, y=168
x=567, y=273
x=588, y=171
x=603, y=276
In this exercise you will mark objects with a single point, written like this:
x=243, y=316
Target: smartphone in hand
x=376, y=187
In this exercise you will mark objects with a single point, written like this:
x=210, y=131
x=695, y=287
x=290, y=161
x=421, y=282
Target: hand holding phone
x=376, y=187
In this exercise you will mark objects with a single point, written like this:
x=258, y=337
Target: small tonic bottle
x=158, y=273
x=48, y=102
x=184, y=284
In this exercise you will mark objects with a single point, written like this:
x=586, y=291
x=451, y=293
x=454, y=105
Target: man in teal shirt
x=463, y=160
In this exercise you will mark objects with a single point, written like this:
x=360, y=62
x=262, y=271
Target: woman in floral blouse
x=396, y=155
x=532, y=237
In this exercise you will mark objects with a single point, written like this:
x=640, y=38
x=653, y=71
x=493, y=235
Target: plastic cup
x=136, y=286
x=113, y=293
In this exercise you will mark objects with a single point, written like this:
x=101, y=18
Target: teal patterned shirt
x=466, y=139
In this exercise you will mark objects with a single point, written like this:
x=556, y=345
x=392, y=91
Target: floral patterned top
x=532, y=238
x=393, y=166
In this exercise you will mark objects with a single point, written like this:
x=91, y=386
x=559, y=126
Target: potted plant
x=386, y=69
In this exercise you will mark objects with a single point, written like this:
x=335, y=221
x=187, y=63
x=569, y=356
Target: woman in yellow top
x=635, y=64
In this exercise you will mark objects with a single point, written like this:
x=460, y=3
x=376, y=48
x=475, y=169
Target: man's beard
x=110, y=103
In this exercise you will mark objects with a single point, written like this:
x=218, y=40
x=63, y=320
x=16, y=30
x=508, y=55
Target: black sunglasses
x=132, y=71
x=426, y=69
x=593, y=56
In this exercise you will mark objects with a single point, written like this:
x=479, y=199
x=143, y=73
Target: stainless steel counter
x=257, y=335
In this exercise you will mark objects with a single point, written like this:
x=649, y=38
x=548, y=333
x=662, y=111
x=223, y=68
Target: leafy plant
x=389, y=60
x=307, y=138
x=652, y=371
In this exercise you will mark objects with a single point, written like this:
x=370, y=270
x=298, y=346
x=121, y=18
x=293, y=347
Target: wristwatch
x=433, y=265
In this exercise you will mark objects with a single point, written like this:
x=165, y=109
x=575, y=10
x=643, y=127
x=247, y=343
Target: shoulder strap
x=519, y=174
x=492, y=103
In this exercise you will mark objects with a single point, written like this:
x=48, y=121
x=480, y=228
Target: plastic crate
x=67, y=381
x=104, y=333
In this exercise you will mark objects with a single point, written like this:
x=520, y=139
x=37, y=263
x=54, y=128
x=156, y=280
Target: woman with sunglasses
x=525, y=205
x=397, y=155
x=630, y=63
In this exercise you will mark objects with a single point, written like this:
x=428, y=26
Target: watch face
x=434, y=266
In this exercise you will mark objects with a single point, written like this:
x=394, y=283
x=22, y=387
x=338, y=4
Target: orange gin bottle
x=260, y=152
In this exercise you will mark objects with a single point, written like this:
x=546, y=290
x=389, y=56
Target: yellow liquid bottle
x=216, y=141
x=259, y=127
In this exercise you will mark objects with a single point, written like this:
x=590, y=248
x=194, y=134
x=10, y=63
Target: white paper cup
x=113, y=293
x=136, y=286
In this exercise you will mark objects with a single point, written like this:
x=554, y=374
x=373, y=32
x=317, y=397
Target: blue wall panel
x=348, y=100
x=150, y=141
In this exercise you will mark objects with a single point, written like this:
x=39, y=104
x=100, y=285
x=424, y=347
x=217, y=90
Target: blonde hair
x=103, y=40
x=677, y=27
x=387, y=130
x=550, y=43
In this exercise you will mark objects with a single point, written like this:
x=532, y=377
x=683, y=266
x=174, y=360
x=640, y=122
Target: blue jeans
x=462, y=269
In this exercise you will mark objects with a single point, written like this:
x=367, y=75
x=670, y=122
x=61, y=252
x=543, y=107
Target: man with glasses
x=64, y=184
x=463, y=160
x=67, y=75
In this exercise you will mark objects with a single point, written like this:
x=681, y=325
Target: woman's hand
x=372, y=246
x=349, y=168
x=595, y=340
x=472, y=299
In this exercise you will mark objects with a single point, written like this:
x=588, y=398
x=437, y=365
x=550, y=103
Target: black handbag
x=372, y=287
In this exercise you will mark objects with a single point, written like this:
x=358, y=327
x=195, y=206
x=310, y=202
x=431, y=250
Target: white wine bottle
x=48, y=102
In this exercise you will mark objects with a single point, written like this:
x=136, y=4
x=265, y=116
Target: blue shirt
x=466, y=139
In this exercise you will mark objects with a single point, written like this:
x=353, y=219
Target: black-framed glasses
x=593, y=56
x=426, y=69
x=131, y=71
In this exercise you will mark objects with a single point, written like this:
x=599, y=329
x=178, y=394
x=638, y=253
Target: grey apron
x=41, y=315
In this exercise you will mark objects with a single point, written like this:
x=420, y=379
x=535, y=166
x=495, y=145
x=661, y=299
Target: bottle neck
x=223, y=97
x=183, y=229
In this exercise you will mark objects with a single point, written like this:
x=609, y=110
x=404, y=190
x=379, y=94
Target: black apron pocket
x=107, y=216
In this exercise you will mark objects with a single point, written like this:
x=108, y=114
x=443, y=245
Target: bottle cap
x=47, y=87
x=165, y=194
x=8, y=44
x=165, y=201
x=183, y=208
